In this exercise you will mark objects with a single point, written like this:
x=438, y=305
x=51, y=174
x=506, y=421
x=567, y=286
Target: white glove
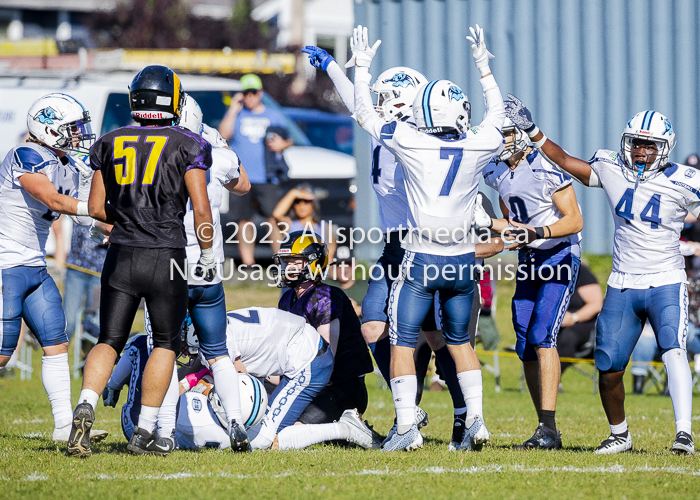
x=362, y=53
x=479, y=51
x=481, y=218
x=85, y=173
x=206, y=267
x=97, y=236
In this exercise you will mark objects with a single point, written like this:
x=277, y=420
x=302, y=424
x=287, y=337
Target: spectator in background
x=245, y=126
x=581, y=315
x=80, y=284
x=301, y=211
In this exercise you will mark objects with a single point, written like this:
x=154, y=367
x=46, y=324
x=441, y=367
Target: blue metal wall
x=583, y=67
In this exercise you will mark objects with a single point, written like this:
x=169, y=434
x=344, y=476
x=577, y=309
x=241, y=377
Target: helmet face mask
x=646, y=143
x=516, y=140
x=396, y=89
x=59, y=121
x=303, y=257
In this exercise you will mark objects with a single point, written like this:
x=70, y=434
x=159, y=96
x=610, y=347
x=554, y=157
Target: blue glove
x=318, y=57
x=519, y=114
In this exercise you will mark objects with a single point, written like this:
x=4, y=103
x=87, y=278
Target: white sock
x=296, y=437
x=89, y=396
x=226, y=384
x=148, y=418
x=167, y=416
x=680, y=385
x=55, y=374
x=620, y=428
x=473, y=392
x=404, y=390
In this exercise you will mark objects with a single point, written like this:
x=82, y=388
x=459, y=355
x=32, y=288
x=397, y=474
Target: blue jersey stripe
x=426, y=103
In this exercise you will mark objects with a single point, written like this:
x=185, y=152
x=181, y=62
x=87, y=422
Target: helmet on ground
x=156, y=94
x=61, y=122
x=253, y=401
x=191, y=115
x=647, y=127
x=520, y=140
x=396, y=89
x=441, y=106
x=302, y=257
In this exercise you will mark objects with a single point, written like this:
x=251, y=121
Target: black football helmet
x=306, y=246
x=156, y=94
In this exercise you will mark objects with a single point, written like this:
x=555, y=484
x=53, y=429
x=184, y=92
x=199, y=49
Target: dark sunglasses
x=250, y=91
x=299, y=200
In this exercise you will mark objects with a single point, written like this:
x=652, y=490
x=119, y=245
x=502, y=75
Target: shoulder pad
x=32, y=158
x=606, y=155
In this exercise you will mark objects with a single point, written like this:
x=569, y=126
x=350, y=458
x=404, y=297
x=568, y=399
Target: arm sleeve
x=200, y=157
x=365, y=114
x=343, y=85
x=233, y=170
x=495, y=111
x=122, y=372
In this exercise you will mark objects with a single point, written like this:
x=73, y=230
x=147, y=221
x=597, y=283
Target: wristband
x=82, y=209
x=574, y=316
x=539, y=231
x=533, y=131
x=538, y=144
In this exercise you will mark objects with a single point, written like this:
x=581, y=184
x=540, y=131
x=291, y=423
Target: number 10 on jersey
x=125, y=158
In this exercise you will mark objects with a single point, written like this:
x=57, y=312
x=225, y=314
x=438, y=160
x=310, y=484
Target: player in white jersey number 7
x=649, y=197
x=442, y=160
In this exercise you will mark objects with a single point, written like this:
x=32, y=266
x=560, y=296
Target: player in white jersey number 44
x=649, y=197
x=442, y=160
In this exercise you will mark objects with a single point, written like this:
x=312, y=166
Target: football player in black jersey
x=303, y=259
x=143, y=178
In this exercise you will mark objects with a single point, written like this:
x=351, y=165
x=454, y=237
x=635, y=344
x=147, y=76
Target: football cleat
x=79, y=437
x=421, y=417
x=62, y=434
x=457, y=432
x=239, y=437
x=683, y=445
x=411, y=440
x=144, y=443
x=544, y=438
x=475, y=435
x=421, y=421
x=360, y=434
x=615, y=443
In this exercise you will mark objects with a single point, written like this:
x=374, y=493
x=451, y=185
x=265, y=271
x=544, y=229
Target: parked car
x=325, y=130
x=105, y=96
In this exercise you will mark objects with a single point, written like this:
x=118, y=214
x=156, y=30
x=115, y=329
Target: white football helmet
x=441, y=106
x=520, y=140
x=61, y=122
x=191, y=115
x=396, y=88
x=650, y=126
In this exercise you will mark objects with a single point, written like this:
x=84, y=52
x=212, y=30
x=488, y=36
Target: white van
x=105, y=96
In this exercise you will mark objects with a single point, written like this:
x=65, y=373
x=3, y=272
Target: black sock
x=547, y=418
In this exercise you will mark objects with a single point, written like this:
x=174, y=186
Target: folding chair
x=586, y=352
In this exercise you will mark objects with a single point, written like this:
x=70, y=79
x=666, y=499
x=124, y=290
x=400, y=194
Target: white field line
x=480, y=469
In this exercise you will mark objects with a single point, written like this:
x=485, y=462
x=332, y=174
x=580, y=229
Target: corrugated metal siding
x=582, y=67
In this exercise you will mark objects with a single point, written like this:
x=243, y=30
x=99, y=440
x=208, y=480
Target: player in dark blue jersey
x=336, y=410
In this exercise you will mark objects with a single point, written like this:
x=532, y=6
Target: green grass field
x=31, y=466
